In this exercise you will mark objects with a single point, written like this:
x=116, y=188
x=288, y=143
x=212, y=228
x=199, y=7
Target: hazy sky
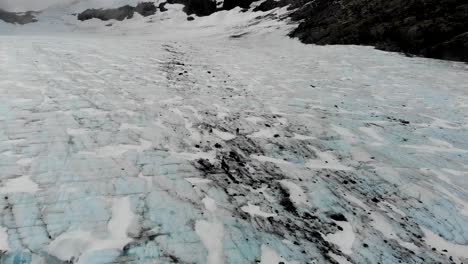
x=24, y=5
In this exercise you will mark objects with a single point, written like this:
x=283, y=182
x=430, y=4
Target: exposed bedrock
x=18, y=18
x=146, y=9
x=430, y=28
x=230, y=4
x=121, y=13
x=196, y=7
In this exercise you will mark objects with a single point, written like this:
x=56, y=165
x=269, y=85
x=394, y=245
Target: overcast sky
x=24, y=5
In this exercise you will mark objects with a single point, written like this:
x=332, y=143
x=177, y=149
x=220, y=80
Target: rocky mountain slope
x=431, y=28
x=121, y=13
x=18, y=18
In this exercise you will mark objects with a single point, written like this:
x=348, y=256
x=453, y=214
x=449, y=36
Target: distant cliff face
x=121, y=13
x=431, y=28
x=18, y=18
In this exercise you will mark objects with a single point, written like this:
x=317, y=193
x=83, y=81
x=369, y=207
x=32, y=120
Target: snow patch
x=435, y=149
x=369, y=131
x=268, y=159
x=380, y=223
x=76, y=131
x=345, y=133
x=297, y=195
x=211, y=235
x=254, y=119
x=24, y=161
x=263, y=133
x=254, y=210
x=303, y=137
x=23, y=184
x=456, y=250
x=210, y=155
x=195, y=180
x=78, y=243
x=210, y=204
x=118, y=150
x=125, y=126
x=4, y=239
x=269, y=256
x=355, y=200
x=339, y=259
x=223, y=135
x=326, y=161
x=343, y=239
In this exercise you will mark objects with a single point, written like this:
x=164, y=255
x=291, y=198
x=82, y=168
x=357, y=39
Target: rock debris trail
x=245, y=150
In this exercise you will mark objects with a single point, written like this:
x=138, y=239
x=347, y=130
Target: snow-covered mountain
x=161, y=139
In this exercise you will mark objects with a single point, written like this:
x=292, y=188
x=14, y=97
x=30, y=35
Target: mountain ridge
x=428, y=28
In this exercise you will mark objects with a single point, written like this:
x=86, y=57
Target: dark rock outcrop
x=162, y=7
x=453, y=49
x=270, y=4
x=121, y=13
x=18, y=18
x=146, y=9
x=431, y=28
x=230, y=4
x=196, y=7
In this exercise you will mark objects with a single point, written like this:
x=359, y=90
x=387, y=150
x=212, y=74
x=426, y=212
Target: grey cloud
x=25, y=5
